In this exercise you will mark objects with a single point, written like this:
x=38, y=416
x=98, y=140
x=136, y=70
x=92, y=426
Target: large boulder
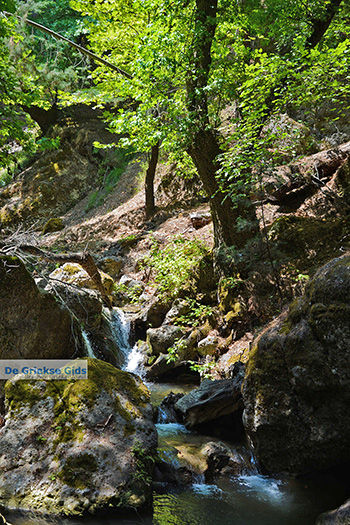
x=85, y=304
x=32, y=324
x=58, y=178
x=209, y=401
x=162, y=338
x=297, y=385
x=75, y=447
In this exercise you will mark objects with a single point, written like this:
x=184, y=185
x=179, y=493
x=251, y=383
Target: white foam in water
x=87, y=344
x=121, y=331
x=206, y=490
x=264, y=488
x=133, y=357
x=171, y=428
x=135, y=361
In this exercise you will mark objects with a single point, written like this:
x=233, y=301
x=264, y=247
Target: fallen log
x=304, y=176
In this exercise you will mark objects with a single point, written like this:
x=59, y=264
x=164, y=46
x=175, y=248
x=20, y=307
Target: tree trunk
x=149, y=181
x=320, y=26
x=204, y=149
x=204, y=152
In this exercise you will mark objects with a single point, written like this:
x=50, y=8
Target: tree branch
x=82, y=49
x=85, y=260
x=319, y=27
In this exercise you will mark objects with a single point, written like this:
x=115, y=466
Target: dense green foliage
x=186, y=61
x=174, y=265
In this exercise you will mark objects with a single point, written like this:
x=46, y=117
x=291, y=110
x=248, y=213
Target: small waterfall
x=132, y=357
x=135, y=361
x=121, y=332
x=87, y=344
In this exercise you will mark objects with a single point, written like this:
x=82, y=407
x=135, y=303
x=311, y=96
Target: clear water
x=121, y=331
x=254, y=500
x=250, y=499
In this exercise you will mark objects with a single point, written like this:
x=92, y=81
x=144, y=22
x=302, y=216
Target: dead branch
x=84, y=259
x=300, y=175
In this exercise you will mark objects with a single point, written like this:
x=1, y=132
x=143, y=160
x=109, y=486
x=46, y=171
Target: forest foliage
x=184, y=61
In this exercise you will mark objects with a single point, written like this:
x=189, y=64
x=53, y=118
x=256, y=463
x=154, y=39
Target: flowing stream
x=249, y=499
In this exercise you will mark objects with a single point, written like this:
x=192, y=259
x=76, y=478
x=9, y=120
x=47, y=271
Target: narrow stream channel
x=249, y=499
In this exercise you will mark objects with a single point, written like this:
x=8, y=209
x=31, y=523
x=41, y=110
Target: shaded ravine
x=247, y=499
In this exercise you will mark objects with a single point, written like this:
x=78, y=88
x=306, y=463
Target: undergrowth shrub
x=174, y=265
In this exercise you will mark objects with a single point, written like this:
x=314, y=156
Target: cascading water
x=245, y=499
x=133, y=358
x=87, y=344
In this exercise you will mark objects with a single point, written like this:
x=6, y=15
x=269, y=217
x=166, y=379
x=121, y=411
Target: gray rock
x=73, y=273
x=166, y=410
x=76, y=447
x=32, y=324
x=297, y=385
x=162, y=338
x=104, y=342
x=339, y=516
x=111, y=265
x=178, y=308
x=208, y=346
x=154, y=312
x=131, y=283
x=160, y=367
x=83, y=303
x=222, y=460
x=211, y=400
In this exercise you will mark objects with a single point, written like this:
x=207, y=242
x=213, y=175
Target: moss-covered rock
x=308, y=241
x=85, y=304
x=72, y=273
x=297, y=384
x=72, y=447
x=55, y=224
x=162, y=338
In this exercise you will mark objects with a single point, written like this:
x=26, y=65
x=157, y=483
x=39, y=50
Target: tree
x=188, y=58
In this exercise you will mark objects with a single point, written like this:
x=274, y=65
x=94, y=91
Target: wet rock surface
x=85, y=304
x=211, y=401
x=339, y=516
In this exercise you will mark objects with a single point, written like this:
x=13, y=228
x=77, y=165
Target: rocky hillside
x=281, y=378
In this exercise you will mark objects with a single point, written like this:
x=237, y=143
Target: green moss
x=21, y=393
x=299, y=238
x=128, y=241
x=69, y=397
x=286, y=327
x=129, y=429
x=53, y=225
x=111, y=379
x=76, y=470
